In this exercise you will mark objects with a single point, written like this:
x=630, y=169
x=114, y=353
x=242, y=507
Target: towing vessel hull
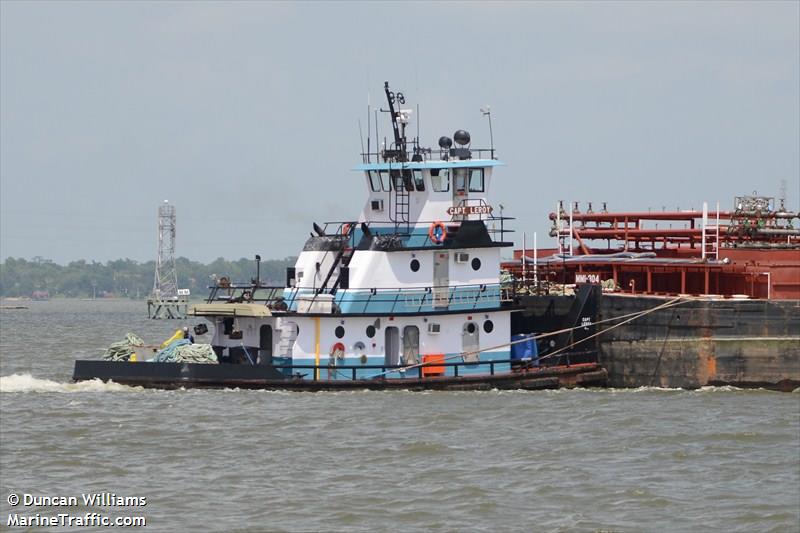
x=193, y=375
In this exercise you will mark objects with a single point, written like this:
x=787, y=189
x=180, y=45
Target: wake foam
x=28, y=383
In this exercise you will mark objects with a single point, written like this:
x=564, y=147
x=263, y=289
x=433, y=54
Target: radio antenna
x=361, y=136
x=487, y=112
x=417, y=125
x=377, y=137
x=369, y=126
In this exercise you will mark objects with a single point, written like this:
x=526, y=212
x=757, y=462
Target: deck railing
x=364, y=300
x=420, y=371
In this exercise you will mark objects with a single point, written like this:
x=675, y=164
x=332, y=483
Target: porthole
x=471, y=328
x=370, y=331
x=488, y=326
x=414, y=265
x=476, y=263
x=339, y=332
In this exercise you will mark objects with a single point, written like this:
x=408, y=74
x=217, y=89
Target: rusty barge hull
x=745, y=343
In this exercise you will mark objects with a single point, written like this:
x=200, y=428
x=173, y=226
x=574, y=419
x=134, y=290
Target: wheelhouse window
x=476, y=180
x=402, y=180
x=408, y=180
x=440, y=179
x=374, y=180
x=460, y=176
x=397, y=180
x=385, y=180
x=418, y=181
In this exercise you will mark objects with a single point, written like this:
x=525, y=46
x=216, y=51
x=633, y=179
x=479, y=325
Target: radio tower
x=166, y=301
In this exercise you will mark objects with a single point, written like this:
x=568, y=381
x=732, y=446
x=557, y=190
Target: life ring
x=437, y=232
x=337, y=351
x=345, y=229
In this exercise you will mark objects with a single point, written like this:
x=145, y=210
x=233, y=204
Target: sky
x=245, y=116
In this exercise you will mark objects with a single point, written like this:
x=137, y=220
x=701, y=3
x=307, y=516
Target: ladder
x=401, y=202
x=710, y=235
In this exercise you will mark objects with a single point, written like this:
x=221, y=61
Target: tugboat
x=408, y=295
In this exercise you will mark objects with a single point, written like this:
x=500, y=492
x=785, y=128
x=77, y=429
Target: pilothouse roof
x=419, y=165
x=399, y=152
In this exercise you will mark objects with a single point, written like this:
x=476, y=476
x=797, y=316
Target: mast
x=398, y=127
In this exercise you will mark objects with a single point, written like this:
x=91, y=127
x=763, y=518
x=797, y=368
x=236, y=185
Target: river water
x=716, y=459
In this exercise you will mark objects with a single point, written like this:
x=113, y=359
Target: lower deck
x=193, y=375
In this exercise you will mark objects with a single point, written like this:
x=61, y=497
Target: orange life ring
x=337, y=350
x=437, y=232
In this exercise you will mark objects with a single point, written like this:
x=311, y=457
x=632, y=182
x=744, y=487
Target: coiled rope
x=183, y=351
x=124, y=349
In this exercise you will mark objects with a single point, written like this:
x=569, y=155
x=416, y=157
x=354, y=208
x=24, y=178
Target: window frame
x=443, y=177
x=372, y=176
x=480, y=172
x=460, y=174
x=419, y=180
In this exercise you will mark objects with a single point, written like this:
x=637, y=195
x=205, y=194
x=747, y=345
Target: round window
x=339, y=332
x=414, y=265
x=471, y=327
x=476, y=263
x=488, y=326
x=370, y=331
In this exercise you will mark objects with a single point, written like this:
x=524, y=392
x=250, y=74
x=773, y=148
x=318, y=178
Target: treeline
x=40, y=277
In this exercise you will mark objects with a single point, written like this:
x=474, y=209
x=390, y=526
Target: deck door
x=470, y=342
x=392, y=346
x=410, y=345
x=265, y=345
x=441, y=278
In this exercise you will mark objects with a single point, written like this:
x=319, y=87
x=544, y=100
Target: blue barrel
x=526, y=349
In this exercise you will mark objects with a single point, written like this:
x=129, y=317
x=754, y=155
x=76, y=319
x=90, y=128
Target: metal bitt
x=166, y=300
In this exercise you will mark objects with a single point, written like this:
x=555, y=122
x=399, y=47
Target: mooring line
x=629, y=316
x=673, y=303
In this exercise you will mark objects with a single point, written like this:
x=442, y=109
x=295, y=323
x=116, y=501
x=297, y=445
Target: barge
x=737, y=273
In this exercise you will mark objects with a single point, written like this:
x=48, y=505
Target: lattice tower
x=166, y=280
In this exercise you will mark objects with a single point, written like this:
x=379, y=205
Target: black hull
x=743, y=343
x=191, y=375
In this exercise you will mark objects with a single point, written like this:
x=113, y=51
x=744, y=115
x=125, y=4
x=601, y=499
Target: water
x=582, y=460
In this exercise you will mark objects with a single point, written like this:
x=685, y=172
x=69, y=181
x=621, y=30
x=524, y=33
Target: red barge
x=724, y=287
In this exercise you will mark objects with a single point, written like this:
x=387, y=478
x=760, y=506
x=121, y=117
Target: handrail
x=401, y=368
x=467, y=295
x=427, y=154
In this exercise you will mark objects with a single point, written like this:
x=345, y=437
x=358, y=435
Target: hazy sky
x=245, y=115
